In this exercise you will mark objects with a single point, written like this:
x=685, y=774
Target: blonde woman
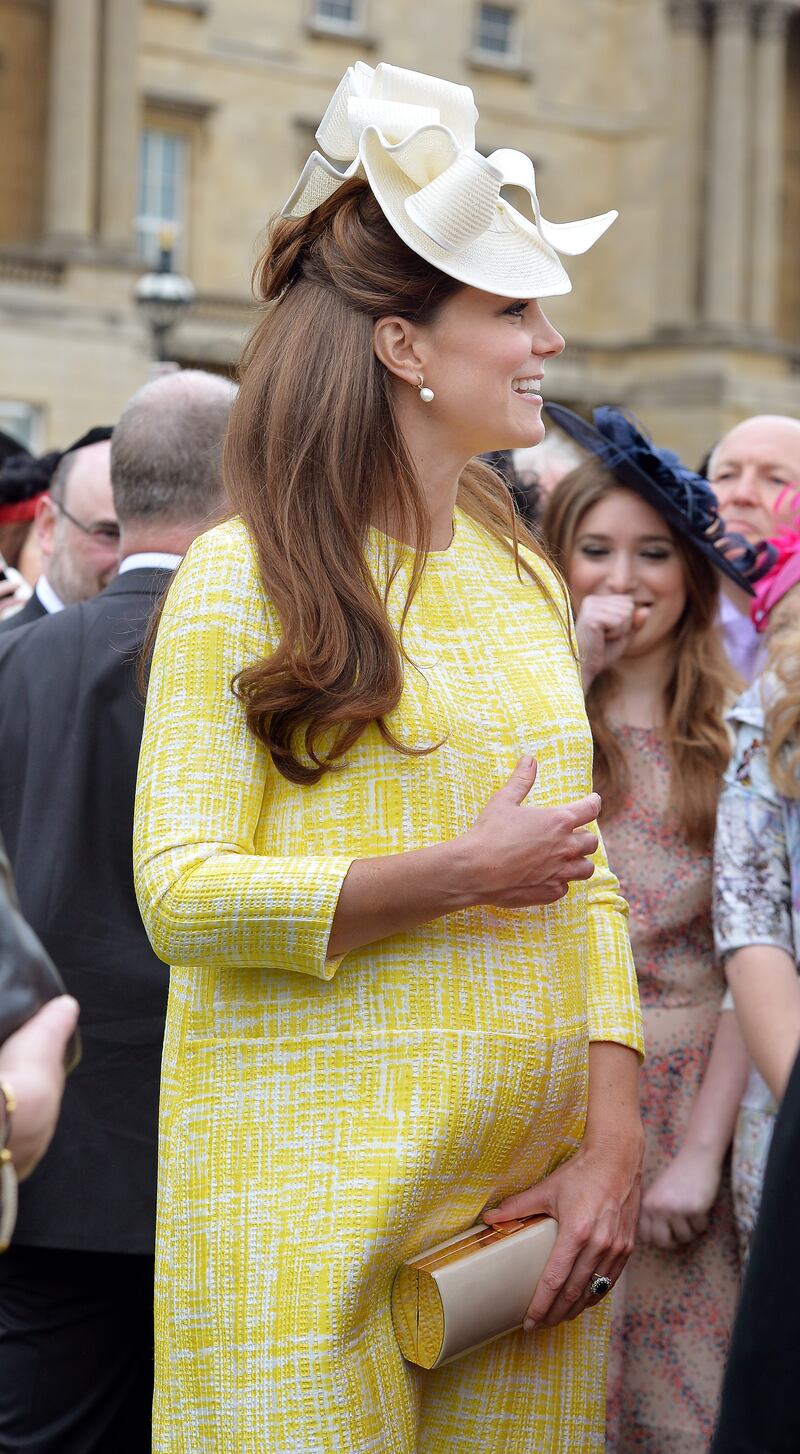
x=638, y=540
x=398, y=996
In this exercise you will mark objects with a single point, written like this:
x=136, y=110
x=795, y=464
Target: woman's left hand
x=594, y=1197
x=676, y=1207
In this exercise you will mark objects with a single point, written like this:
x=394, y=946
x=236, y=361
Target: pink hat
x=779, y=579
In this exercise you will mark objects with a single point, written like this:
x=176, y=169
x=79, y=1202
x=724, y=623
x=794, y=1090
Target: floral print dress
x=756, y=901
x=673, y=1310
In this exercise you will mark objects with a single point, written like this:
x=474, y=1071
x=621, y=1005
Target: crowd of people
x=465, y=805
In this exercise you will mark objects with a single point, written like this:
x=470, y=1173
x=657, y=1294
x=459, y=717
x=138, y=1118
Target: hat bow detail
x=412, y=137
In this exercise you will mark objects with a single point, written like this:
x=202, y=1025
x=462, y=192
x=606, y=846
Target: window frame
x=330, y=25
x=23, y=421
x=509, y=59
x=149, y=224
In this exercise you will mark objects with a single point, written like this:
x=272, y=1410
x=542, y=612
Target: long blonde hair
x=315, y=456
x=701, y=684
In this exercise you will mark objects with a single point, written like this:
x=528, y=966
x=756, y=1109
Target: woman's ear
x=396, y=343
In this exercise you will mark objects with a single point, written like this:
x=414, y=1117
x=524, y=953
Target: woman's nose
x=620, y=575
x=546, y=342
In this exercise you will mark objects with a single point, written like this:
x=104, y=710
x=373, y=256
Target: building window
x=347, y=15
x=22, y=422
x=163, y=157
x=495, y=33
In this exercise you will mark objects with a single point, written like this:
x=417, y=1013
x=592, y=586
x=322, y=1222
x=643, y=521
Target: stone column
x=729, y=197
x=72, y=121
x=769, y=101
x=120, y=131
x=683, y=171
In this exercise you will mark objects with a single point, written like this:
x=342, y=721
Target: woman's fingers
x=681, y=1229
x=698, y=1222
x=525, y=856
x=661, y=1233
x=584, y=811
x=564, y=1288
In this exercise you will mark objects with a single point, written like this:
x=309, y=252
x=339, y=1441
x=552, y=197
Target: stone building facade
x=120, y=116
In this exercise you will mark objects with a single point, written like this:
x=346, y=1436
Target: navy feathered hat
x=684, y=499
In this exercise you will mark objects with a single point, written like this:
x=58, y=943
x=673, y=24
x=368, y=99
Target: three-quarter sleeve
x=614, y=1012
x=206, y=897
x=752, y=875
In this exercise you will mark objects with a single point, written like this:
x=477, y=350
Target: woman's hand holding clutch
x=594, y=1196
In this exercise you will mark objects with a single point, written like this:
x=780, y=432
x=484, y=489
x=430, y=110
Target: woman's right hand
x=515, y=856
x=512, y=856
x=14, y=590
x=604, y=626
x=33, y=1061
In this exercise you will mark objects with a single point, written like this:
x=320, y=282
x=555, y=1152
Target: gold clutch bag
x=470, y=1289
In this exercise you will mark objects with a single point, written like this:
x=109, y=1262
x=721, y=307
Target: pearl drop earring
x=426, y=395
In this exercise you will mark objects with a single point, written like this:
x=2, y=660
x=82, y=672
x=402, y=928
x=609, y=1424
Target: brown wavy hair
x=782, y=718
x=314, y=457
x=700, y=687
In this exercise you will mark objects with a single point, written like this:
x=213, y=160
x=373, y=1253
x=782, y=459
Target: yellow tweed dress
x=320, y=1120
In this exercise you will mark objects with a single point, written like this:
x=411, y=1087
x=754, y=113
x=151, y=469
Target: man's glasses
x=105, y=533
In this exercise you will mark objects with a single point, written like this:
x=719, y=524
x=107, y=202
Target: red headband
x=23, y=510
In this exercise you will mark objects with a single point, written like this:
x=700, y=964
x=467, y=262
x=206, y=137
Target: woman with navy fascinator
x=643, y=551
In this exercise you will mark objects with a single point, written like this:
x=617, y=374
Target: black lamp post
x=163, y=296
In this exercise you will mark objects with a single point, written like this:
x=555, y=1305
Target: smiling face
x=77, y=528
x=484, y=358
x=623, y=547
x=750, y=471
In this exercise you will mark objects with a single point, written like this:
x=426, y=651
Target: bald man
x=750, y=469
x=77, y=532
x=754, y=472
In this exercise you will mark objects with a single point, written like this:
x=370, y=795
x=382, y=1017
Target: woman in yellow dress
x=401, y=988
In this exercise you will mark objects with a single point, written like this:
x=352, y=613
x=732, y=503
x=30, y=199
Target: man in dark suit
x=76, y=1285
x=76, y=531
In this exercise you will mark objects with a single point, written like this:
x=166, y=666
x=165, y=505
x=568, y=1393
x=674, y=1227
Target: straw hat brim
x=510, y=258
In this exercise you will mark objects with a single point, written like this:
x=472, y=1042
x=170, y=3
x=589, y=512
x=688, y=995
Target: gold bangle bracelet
x=8, y=1176
x=10, y=1099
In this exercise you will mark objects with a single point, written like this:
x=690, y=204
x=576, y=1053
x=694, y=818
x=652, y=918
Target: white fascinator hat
x=476, y=218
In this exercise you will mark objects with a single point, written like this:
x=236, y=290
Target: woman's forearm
x=396, y=892
x=613, y=1117
x=766, y=990
x=713, y=1116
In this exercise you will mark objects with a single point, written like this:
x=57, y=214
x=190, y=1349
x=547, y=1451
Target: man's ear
x=398, y=344
x=45, y=522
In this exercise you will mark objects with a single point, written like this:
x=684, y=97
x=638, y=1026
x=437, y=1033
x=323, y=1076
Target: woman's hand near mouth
x=604, y=627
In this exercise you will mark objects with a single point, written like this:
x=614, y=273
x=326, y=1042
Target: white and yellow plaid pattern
x=322, y=1121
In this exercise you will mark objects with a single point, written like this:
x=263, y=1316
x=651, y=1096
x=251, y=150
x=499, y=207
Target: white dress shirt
x=151, y=559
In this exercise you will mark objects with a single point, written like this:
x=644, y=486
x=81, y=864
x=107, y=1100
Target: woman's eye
x=517, y=309
x=593, y=551
x=655, y=555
